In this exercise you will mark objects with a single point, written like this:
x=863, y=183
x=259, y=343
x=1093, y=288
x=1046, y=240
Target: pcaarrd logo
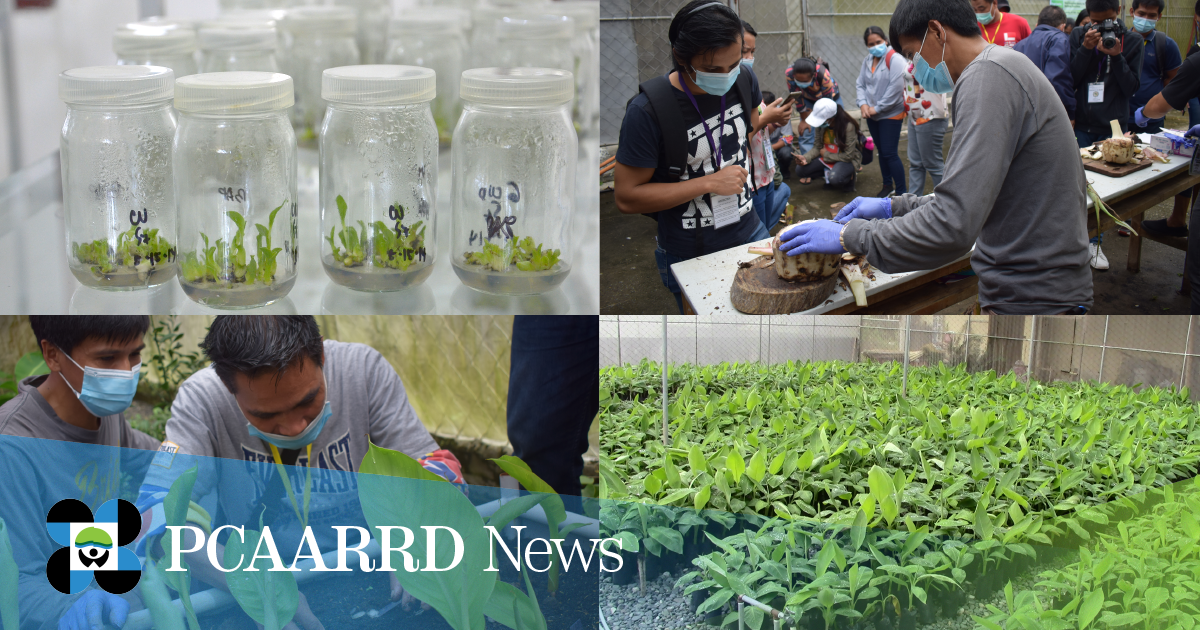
x=93, y=546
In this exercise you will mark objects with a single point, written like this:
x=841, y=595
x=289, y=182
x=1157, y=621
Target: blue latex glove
x=90, y=611
x=1139, y=118
x=1194, y=132
x=865, y=208
x=820, y=237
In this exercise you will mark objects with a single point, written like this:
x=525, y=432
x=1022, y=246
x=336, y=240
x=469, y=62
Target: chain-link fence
x=1161, y=351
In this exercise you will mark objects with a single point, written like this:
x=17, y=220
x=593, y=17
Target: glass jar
x=379, y=165
x=585, y=46
x=116, y=175
x=168, y=45
x=235, y=188
x=322, y=37
x=513, y=180
x=373, y=17
x=483, y=28
x=234, y=46
x=433, y=38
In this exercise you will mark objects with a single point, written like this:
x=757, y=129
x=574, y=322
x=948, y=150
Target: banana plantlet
x=395, y=247
x=521, y=252
x=137, y=251
x=228, y=262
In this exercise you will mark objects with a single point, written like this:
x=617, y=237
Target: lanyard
x=715, y=146
x=995, y=34
x=287, y=484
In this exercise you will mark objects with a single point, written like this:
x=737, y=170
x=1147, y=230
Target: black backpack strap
x=1160, y=45
x=665, y=108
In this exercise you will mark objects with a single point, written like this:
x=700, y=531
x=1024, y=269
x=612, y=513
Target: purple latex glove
x=1194, y=132
x=1139, y=118
x=819, y=237
x=865, y=208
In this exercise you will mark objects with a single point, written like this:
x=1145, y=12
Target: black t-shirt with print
x=641, y=146
x=1186, y=84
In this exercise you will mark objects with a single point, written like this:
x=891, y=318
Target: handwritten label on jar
x=136, y=220
x=230, y=194
x=497, y=223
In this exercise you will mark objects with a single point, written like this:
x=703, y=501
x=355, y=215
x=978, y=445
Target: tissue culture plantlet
x=139, y=253
x=397, y=247
x=227, y=263
x=522, y=253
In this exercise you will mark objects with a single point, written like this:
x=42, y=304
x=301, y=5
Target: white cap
x=487, y=14
x=237, y=36
x=116, y=85
x=147, y=38
x=822, y=110
x=517, y=86
x=322, y=19
x=166, y=22
x=249, y=15
x=586, y=13
x=366, y=4
x=423, y=19
x=234, y=93
x=541, y=26
x=378, y=85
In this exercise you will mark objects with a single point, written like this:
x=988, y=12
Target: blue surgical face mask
x=878, y=50
x=749, y=63
x=716, y=83
x=984, y=18
x=936, y=80
x=803, y=85
x=304, y=438
x=105, y=392
x=1143, y=25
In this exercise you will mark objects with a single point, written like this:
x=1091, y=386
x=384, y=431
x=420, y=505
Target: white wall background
x=71, y=34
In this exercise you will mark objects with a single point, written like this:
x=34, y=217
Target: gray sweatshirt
x=1014, y=188
x=882, y=89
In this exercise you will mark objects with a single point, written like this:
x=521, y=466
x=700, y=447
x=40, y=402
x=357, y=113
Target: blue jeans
x=770, y=202
x=925, y=154
x=553, y=387
x=665, y=259
x=886, y=134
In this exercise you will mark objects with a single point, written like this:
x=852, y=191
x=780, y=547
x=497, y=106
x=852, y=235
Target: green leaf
x=880, y=483
x=673, y=480
x=514, y=508
x=668, y=538
x=696, y=460
x=1125, y=619
x=31, y=364
x=556, y=512
x=8, y=583
x=175, y=510
x=268, y=597
x=983, y=523
x=341, y=206
x=703, y=496
x=157, y=600
x=758, y=467
x=736, y=465
x=715, y=601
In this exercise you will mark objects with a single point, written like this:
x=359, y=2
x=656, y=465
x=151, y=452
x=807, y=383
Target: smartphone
x=791, y=97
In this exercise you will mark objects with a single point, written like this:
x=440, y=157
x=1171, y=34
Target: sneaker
x=1159, y=228
x=885, y=192
x=1097, y=258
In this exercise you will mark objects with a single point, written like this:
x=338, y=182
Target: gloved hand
x=1139, y=118
x=1194, y=132
x=865, y=208
x=820, y=237
x=90, y=611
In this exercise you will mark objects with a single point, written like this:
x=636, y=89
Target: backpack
x=665, y=109
x=1160, y=46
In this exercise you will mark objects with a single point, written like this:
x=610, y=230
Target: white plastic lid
x=237, y=36
x=517, y=86
x=321, y=19
x=166, y=22
x=116, y=85
x=421, y=19
x=148, y=38
x=378, y=85
x=234, y=93
x=535, y=27
x=487, y=14
x=586, y=13
x=249, y=15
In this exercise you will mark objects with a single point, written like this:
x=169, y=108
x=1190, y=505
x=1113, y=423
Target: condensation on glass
x=235, y=188
x=228, y=46
x=115, y=153
x=513, y=180
x=322, y=37
x=379, y=169
x=167, y=44
x=433, y=38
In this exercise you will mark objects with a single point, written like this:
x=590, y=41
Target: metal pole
x=1029, y=370
x=1187, y=347
x=805, y=48
x=664, y=374
x=619, y=362
x=741, y=615
x=967, y=358
x=1103, y=349
x=907, y=330
x=10, y=87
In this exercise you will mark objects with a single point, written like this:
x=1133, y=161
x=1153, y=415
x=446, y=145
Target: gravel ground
x=666, y=608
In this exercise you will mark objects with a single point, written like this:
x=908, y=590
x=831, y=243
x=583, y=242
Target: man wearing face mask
x=999, y=27
x=1011, y=136
x=94, y=364
x=278, y=395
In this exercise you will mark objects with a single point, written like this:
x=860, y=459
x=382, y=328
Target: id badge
x=768, y=152
x=725, y=211
x=1095, y=92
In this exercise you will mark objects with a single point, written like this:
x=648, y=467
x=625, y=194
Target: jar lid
x=517, y=86
x=378, y=85
x=237, y=36
x=365, y=4
x=321, y=19
x=166, y=22
x=586, y=13
x=272, y=16
x=421, y=19
x=116, y=85
x=535, y=27
x=487, y=14
x=234, y=93
x=146, y=37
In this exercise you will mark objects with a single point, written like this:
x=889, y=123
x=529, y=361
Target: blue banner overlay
x=191, y=543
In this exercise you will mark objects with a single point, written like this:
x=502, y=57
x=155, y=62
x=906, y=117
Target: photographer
x=702, y=202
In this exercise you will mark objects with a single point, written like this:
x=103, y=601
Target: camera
x=1110, y=32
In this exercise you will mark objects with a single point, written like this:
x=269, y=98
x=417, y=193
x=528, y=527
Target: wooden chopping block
x=758, y=290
